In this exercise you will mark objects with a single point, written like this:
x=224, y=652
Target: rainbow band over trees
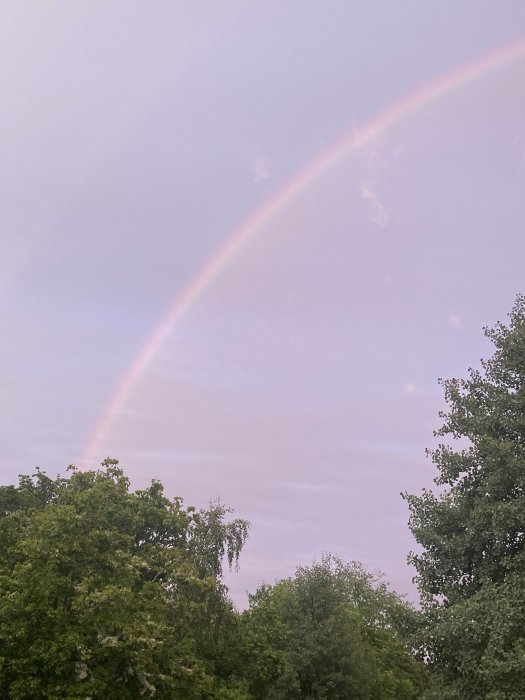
x=358, y=137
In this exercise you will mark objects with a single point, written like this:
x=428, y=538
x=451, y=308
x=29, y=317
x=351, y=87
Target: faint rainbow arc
x=241, y=236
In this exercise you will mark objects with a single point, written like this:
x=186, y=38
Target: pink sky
x=301, y=387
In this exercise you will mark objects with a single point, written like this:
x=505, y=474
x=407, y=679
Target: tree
x=471, y=571
x=333, y=631
x=106, y=592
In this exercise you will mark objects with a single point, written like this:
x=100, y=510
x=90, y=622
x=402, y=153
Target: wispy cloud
x=410, y=388
x=177, y=456
x=456, y=322
x=260, y=169
x=316, y=488
x=376, y=161
x=379, y=214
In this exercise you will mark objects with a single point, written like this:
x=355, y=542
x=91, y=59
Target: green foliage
x=109, y=593
x=333, y=631
x=471, y=571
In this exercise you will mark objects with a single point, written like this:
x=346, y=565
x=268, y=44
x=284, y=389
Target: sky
x=300, y=385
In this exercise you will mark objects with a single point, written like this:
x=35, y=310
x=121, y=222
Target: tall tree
x=332, y=632
x=471, y=570
x=106, y=592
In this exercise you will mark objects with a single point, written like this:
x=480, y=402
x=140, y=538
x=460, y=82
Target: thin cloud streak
x=317, y=488
x=378, y=212
x=456, y=322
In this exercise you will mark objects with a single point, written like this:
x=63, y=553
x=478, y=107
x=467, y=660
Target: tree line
x=106, y=592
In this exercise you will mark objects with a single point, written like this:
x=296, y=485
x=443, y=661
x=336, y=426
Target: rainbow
x=358, y=138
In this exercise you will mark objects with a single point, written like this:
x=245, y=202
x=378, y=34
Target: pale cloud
x=379, y=214
x=316, y=488
x=376, y=161
x=175, y=456
x=260, y=169
x=373, y=152
x=456, y=322
x=410, y=388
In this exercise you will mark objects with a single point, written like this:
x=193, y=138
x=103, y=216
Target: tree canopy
x=333, y=631
x=110, y=593
x=471, y=570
